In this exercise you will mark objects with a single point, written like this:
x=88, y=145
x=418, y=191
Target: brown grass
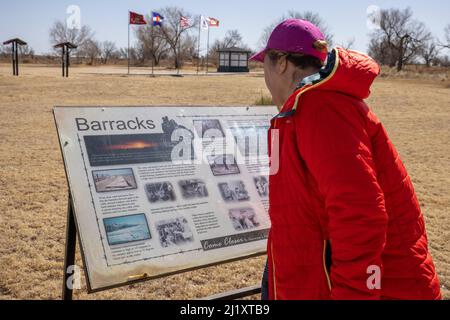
x=33, y=190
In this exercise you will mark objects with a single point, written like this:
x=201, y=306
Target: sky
x=347, y=19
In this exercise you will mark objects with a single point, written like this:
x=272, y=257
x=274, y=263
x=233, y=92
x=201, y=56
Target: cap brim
x=259, y=56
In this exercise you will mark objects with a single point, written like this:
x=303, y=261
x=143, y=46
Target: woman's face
x=273, y=75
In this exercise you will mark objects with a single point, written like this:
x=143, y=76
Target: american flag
x=184, y=22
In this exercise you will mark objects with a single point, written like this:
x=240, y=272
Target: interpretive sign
x=161, y=190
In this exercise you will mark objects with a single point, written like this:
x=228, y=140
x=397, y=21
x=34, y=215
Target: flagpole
x=128, y=42
x=179, y=46
x=207, y=51
x=153, y=47
x=198, y=50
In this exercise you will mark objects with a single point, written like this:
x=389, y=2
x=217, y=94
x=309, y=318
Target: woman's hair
x=299, y=60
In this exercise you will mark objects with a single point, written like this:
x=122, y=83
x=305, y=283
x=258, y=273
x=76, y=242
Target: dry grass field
x=33, y=192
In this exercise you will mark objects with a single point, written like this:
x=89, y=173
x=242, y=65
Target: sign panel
x=160, y=190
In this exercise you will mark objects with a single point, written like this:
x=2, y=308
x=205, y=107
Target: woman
x=346, y=223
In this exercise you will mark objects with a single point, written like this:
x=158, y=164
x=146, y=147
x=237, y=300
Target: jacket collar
x=311, y=82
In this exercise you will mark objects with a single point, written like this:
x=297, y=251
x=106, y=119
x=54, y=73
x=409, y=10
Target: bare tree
x=5, y=51
x=188, y=48
x=232, y=39
x=381, y=51
x=60, y=32
x=123, y=53
x=446, y=43
x=151, y=44
x=430, y=51
x=108, y=50
x=172, y=33
x=91, y=50
x=307, y=15
x=400, y=38
x=26, y=50
x=349, y=44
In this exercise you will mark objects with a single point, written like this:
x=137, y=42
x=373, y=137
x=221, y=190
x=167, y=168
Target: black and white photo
x=234, y=191
x=243, y=219
x=160, y=192
x=224, y=164
x=193, y=188
x=262, y=186
x=174, y=232
x=209, y=128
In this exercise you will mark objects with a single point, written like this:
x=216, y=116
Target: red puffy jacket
x=341, y=188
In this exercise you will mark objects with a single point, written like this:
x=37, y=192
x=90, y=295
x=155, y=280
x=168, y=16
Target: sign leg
x=69, y=259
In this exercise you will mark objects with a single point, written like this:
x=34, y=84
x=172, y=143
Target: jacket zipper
x=325, y=244
x=273, y=271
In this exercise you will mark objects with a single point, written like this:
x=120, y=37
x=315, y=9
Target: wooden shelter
x=65, y=56
x=16, y=42
x=233, y=60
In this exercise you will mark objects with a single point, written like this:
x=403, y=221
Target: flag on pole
x=213, y=22
x=204, y=23
x=136, y=18
x=184, y=22
x=157, y=19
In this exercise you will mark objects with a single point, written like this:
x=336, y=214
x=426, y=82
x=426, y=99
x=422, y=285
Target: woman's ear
x=282, y=65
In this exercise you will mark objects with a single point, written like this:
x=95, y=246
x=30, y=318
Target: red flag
x=184, y=22
x=213, y=22
x=136, y=18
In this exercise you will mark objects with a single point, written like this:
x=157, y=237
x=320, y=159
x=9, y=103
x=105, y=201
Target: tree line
x=399, y=39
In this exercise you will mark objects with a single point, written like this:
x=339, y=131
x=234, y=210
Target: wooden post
x=65, y=56
x=67, y=61
x=17, y=59
x=63, y=61
x=13, y=58
x=69, y=258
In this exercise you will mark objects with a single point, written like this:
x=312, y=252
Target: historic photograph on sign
x=129, y=149
x=243, y=219
x=233, y=191
x=262, y=185
x=160, y=192
x=174, y=232
x=114, y=180
x=193, y=188
x=125, y=229
x=224, y=164
x=170, y=125
x=209, y=127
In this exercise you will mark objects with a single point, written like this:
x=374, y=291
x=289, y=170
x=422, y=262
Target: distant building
x=233, y=60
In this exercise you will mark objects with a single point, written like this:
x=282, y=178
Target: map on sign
x=160, y=190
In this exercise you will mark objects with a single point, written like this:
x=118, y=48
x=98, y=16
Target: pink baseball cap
x=294, y=36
